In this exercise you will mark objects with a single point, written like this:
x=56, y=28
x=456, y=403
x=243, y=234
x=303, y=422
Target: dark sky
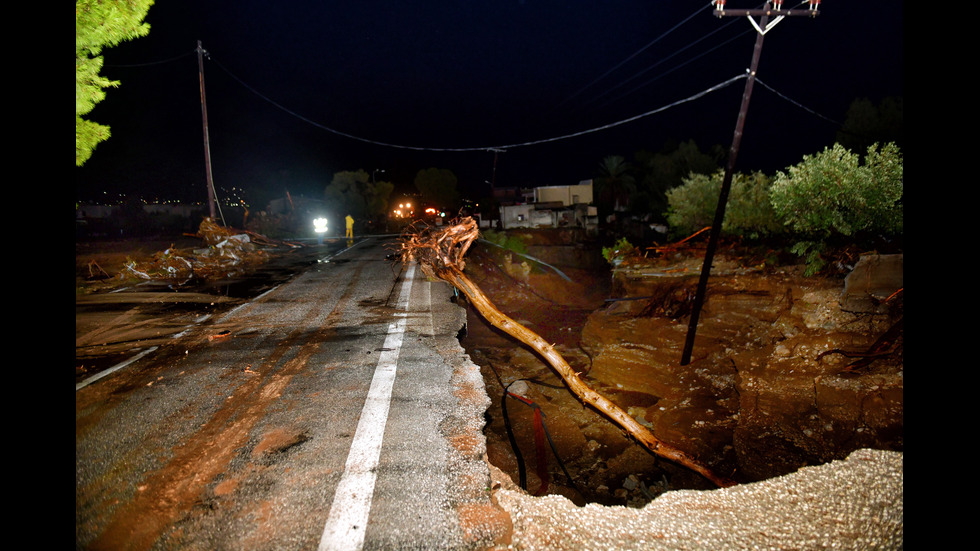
x=299, y=90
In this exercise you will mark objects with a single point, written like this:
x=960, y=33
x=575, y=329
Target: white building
x=579, y=194
x=553, y=207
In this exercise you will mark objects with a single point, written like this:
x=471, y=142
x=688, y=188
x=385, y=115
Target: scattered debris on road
x=220, y=335
x=228, y=251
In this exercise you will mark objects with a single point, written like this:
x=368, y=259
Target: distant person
x=350, y=227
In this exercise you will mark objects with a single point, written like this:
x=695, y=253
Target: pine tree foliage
x=99, y=24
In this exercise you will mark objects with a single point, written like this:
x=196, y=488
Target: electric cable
x=794, y=102
x=634, y=54
x=665, y=73
x=483, y=148
x=562, y=137
x=521, y=472
x=521, y=469
x=732, y=39
x=665, y=59
x=151, y=63
x=539, y=421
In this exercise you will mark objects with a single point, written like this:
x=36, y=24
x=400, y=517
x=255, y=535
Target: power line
x=634, y=54
x=679, y=66
x=692, y=44
x=651, y=112
x=660, y=62
x=796, y=103
x=482, y=148
x=151, y=63
x=665, y=73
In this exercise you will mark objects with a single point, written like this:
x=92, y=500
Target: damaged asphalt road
x=228, y=436
x=115, y=325
x=242, y=436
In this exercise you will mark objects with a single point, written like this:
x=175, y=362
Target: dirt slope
x=772, y=385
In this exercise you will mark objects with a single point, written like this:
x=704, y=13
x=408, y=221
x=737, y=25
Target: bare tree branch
x=440, y=252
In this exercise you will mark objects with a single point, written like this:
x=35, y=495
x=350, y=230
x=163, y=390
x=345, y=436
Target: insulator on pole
x=778, y=4
x=814, y=4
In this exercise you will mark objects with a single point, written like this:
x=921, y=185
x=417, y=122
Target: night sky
x=297, y=91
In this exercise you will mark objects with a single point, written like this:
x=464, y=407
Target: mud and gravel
x=779, y=396
x=777, y=381
x=854, y=504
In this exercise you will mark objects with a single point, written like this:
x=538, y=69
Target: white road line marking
x=348, y=516
x=113, y=369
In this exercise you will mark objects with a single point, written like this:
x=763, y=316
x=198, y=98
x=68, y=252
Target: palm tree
x=615, y=182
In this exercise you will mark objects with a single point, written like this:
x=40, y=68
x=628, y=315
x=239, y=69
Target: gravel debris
x=854, y=503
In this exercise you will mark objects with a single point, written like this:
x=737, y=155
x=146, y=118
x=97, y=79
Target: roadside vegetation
x=848, y=195
x=828, y=199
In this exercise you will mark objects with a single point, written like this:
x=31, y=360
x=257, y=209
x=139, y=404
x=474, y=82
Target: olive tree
x=833, y=195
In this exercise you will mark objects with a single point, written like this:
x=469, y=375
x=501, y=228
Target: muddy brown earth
x=779, y=379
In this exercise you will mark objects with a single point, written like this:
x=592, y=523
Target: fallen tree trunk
x=440, y=255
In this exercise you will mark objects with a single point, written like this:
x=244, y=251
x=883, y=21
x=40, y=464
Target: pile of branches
x=168, y=264
x=439, y=253
x=228, y=251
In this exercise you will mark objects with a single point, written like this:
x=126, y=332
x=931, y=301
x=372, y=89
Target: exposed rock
x=772, y=385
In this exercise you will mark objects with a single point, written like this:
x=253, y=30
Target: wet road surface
x=334, y=411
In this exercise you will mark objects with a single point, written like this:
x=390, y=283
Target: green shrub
x=812, y=254
x=620, y=250
x=691, y=206
x=748, y=212
x=831, y=195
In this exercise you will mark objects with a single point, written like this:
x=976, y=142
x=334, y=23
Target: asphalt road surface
x=334, y=411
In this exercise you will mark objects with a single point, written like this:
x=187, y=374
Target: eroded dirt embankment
x=772, y=385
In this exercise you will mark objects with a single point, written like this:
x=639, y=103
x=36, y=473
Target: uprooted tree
x=439, y=253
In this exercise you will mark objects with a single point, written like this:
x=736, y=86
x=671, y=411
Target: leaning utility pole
x=774, y=10
x=204, y=118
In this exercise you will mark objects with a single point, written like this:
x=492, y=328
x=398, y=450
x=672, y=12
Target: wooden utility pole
x=769, y=10
x=204, y=120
